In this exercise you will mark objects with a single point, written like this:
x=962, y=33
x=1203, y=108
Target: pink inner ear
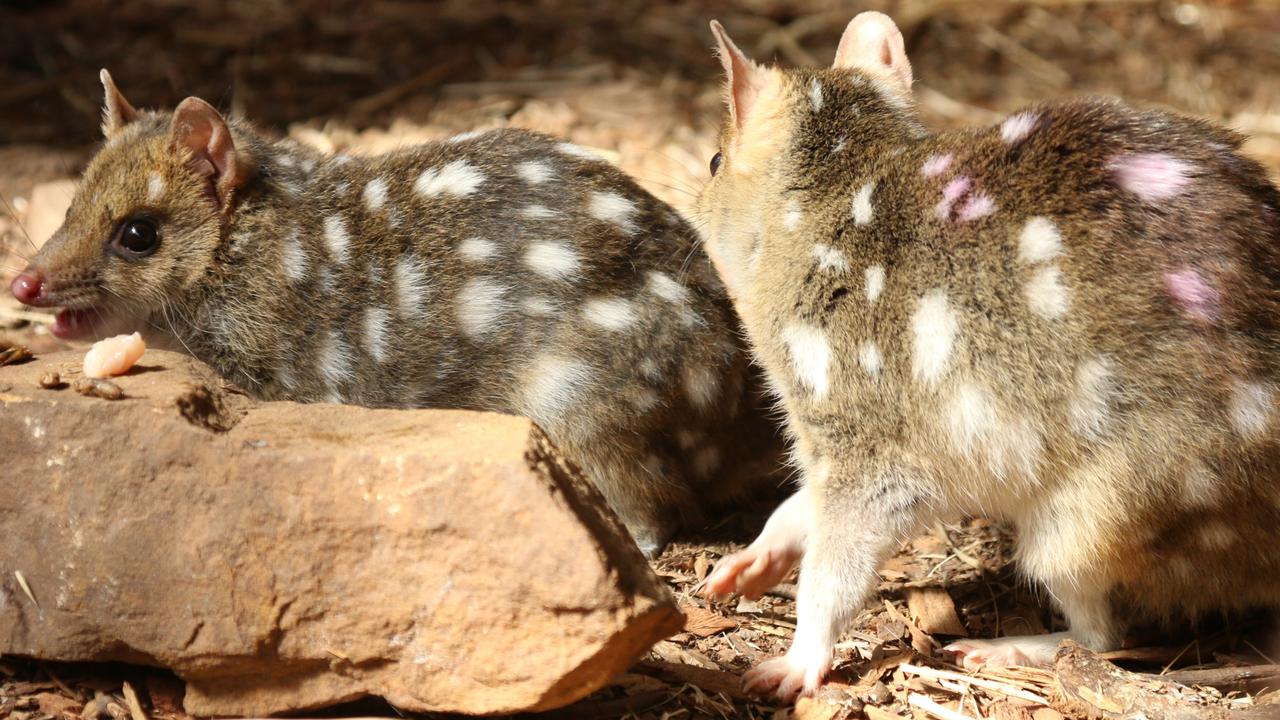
x=199, y=128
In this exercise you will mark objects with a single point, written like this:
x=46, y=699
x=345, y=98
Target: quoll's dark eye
x=137, y=238
x=715, y=162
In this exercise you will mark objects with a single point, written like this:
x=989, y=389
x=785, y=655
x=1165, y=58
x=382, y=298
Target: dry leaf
x=808, y=708
x=934, y=611
x=704, y=623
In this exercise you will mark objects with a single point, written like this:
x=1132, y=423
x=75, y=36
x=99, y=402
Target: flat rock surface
x=282, y=557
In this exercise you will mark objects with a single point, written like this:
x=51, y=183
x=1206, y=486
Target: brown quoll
x=1070, y=321
x=500, y=271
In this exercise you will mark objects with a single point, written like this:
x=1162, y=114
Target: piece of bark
x=1250, y=679
x=705, y=623
x=934, y=611
x=1094, y=688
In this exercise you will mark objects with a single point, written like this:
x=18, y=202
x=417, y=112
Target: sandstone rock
x=282, y=557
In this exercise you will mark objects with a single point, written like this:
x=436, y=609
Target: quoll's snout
x=28, y=287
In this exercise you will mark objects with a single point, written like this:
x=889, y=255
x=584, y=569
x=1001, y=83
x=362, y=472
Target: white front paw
x=786, y=677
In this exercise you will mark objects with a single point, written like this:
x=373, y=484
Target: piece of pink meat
x=113, y=356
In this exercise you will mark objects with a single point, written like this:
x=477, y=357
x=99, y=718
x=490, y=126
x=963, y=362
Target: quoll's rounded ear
x=873, y=44
x=116, y=111
x=201, y=129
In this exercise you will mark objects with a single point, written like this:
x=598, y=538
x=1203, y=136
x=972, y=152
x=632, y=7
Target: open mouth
x=77, y=323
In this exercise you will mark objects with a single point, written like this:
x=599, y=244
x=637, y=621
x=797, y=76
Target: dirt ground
x=636, y=80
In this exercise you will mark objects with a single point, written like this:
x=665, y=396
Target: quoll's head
x=785, y=129
x=146, y=220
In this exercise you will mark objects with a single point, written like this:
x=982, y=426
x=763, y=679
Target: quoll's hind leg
x=1089, y=618
x=858, y=520
x=768, y=559
x=1056, y=548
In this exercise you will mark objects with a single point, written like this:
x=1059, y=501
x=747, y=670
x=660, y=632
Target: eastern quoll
x=500, y=271
x=1070, y=320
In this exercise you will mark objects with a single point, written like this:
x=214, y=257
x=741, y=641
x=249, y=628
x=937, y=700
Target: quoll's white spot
x=335, y=362
x=862, y=210
x=336, y=237
x=477, y=249
x=936, y=165
x=979, y=205
x=706, y=461
x=1151, y=176
x=612, y=207
x=972, y=416
x=552, y=385
x=579, y=152
x=465, y=136
x=293, y=258
x=1017, y=127
x=1046, y=295
x=377, y=326
x=614, y=314
x=686, y=439
x=1251, y=407
x=873, y=282
x=650, y=369
x=829, y=258
x=375, y=194
x=1039, y=241
x=1007, y=445
x=552, y=259
x=155, y=187
x=1089, y=409
x=791, y=220
x=644, y=400
x=815, y=94
x=411, y=287
x=869, y=358
x=538, y=306
x=702, y=386
x=662, y=285
x=458, y=177
x=934, y=327
x=1217, y=535
x=810, y=357
x=481, y=305
x=535, y=172
x=1200, y=487
x=538, y=212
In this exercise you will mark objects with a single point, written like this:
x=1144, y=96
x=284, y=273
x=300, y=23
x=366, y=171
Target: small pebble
x=14, y=354
x=96, y=387
x=51, y=381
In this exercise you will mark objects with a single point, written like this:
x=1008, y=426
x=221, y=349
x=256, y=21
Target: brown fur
x=1107, y=518
x=624, y=402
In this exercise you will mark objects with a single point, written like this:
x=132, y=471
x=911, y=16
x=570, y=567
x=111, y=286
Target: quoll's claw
x=784, y=678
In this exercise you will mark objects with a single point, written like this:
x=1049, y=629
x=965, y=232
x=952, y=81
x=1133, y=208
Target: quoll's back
x=500, y=271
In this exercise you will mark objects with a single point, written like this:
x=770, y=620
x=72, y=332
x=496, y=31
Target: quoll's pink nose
x=26, y=287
